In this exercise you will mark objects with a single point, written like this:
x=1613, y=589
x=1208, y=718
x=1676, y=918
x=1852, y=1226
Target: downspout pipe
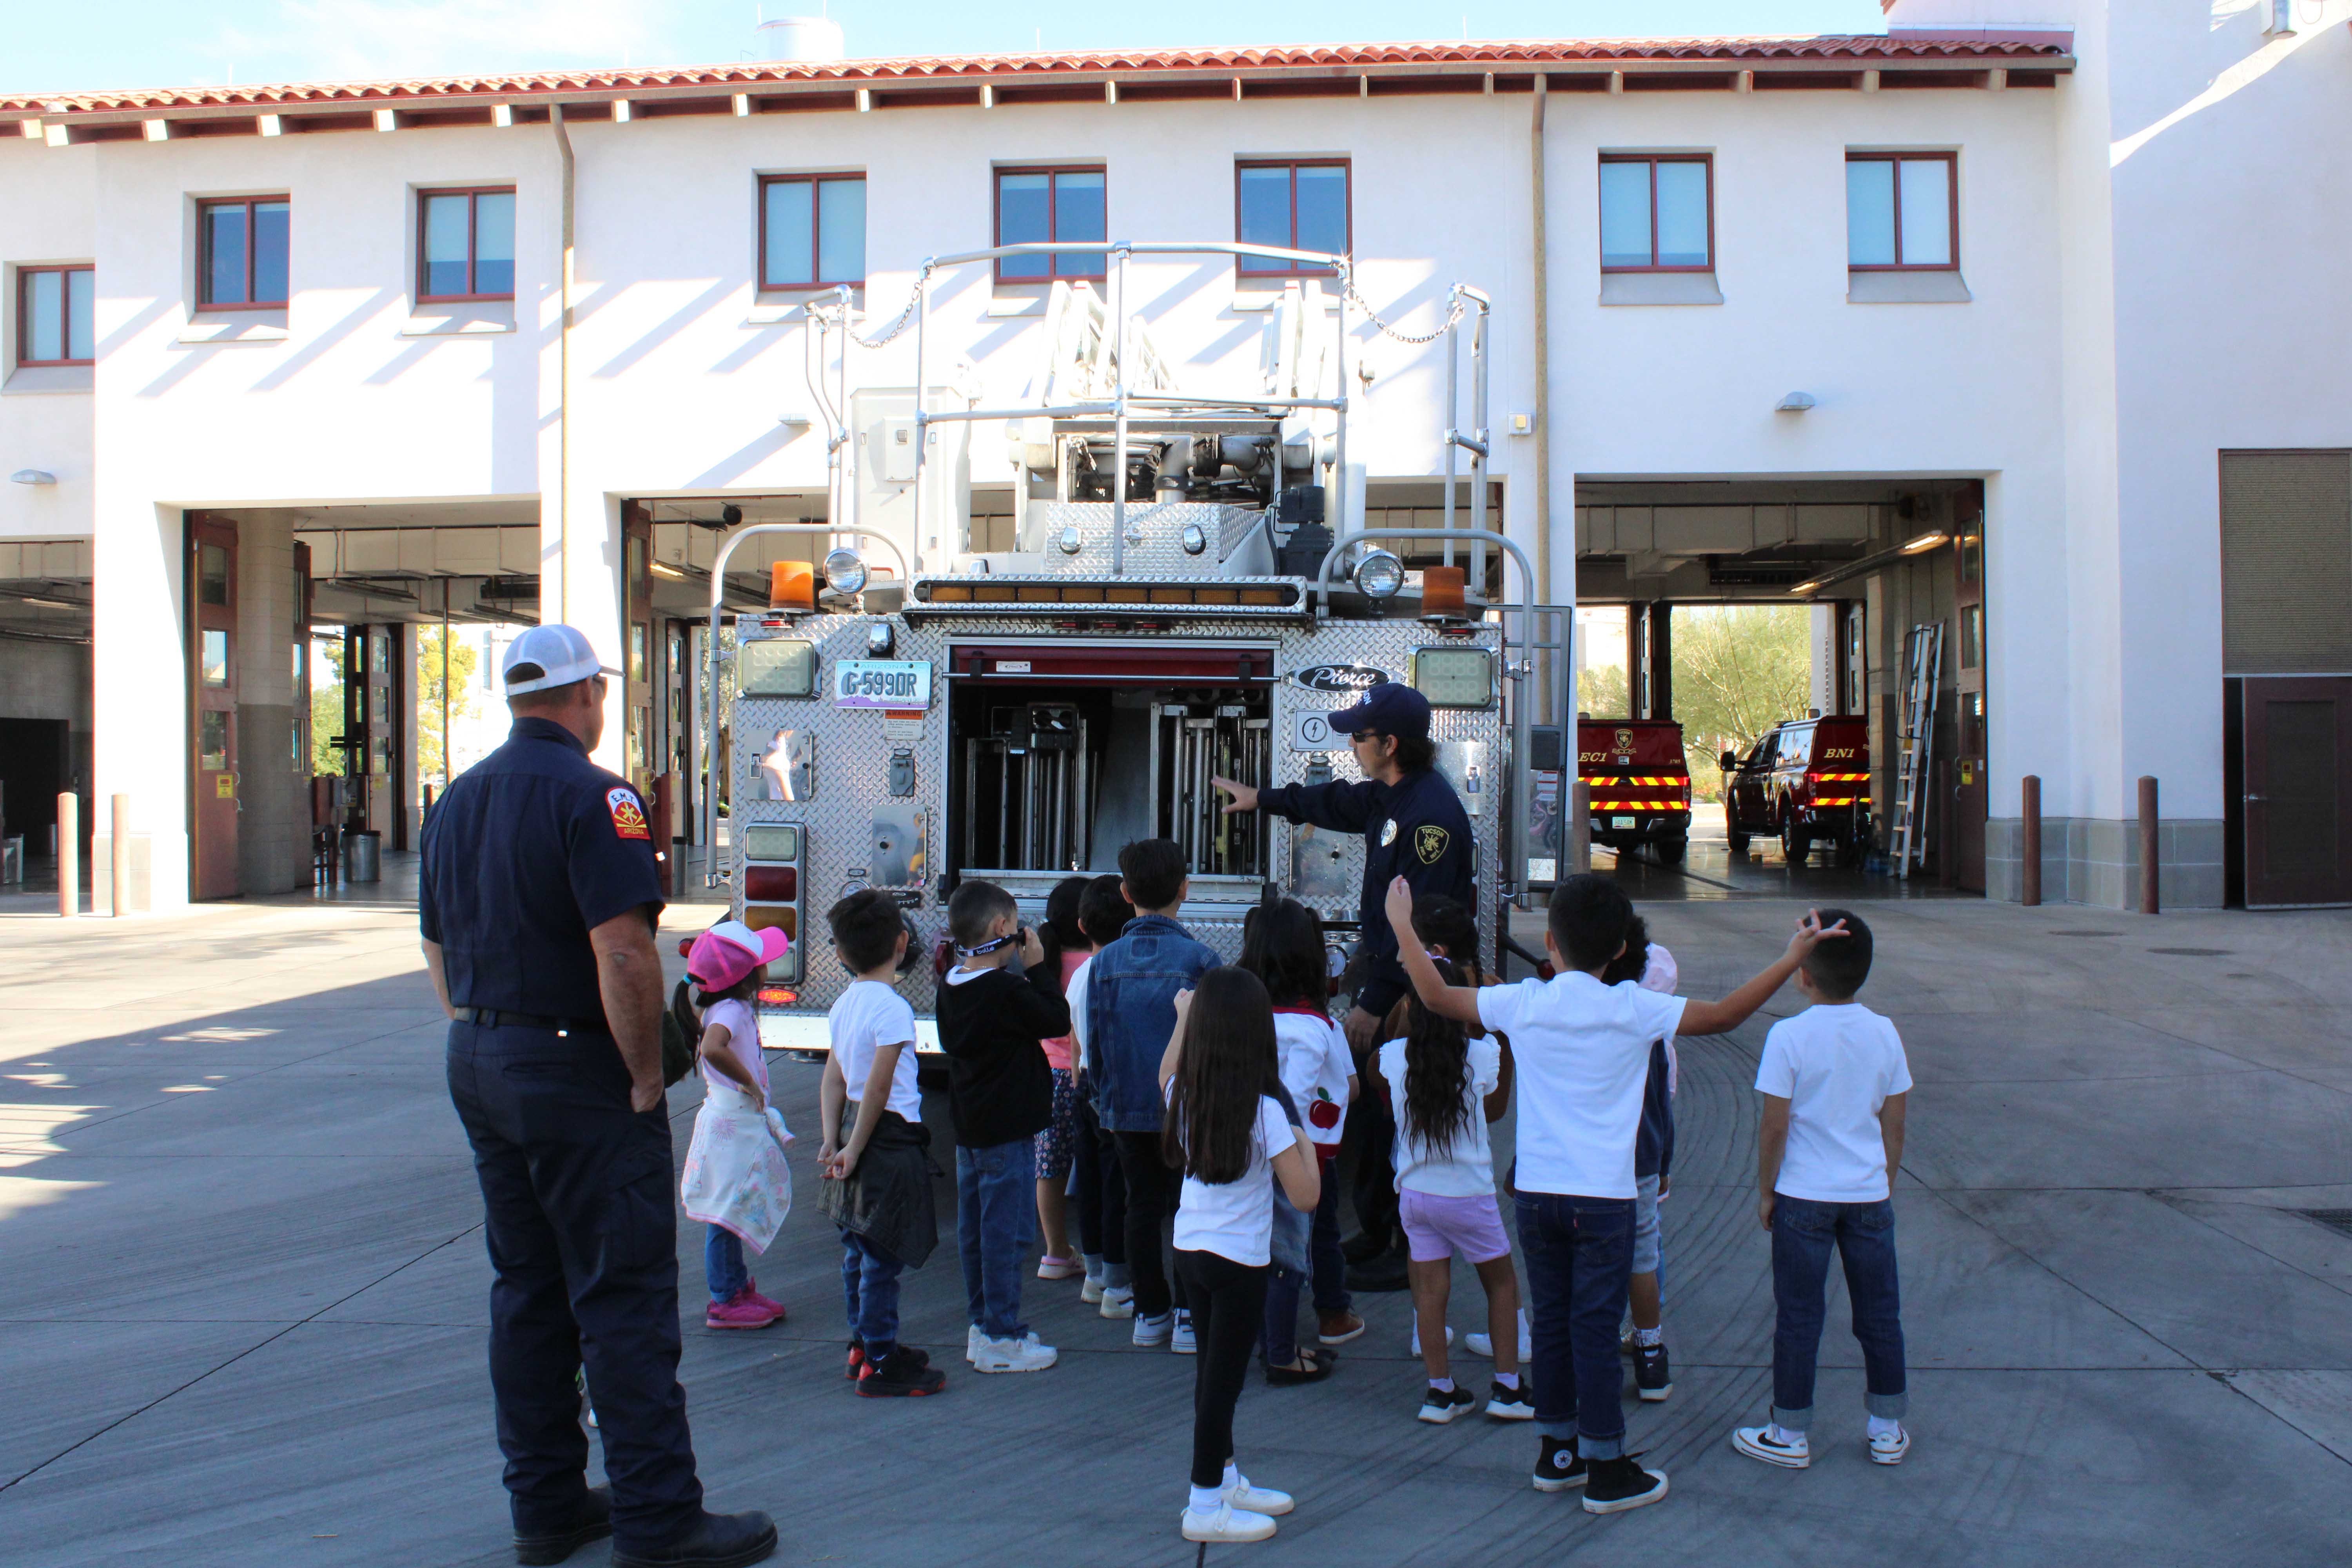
x=564, y=381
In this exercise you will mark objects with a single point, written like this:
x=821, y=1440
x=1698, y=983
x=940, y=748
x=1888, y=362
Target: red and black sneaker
x=855, y=1367
x=903, y=1373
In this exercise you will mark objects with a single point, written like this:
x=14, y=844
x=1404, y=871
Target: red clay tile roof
x=1857, y=51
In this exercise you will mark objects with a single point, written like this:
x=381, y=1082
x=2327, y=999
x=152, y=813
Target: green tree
x=1602, y=691
x=1739, y=670
x=326, y=704
x=432, y=750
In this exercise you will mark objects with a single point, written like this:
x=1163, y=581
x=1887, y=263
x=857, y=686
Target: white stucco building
x=329, y=334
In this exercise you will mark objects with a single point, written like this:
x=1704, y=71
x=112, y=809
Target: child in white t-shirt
x=1834, y=1084
x=1582, y=1052
x=734, y=1180
x=1444, y=1087
x=1097, y=1183
x=1233, y=1142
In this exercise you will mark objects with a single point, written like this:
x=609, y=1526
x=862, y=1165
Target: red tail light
x=772, y=884
x=778, y=995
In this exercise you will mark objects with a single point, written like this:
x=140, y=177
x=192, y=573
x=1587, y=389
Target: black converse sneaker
x=1559, y=1466
x=1652, y=1378
x=1440, y=1406
x=1620, y=1484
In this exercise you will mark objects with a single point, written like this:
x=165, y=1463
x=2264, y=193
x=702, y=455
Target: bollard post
x=1579, y=847
x=2029, y=840
x=118, y=852
x=2147, y=847
x=69, y=854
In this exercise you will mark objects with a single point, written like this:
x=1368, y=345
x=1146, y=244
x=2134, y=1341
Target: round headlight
x=1380, y=575
x=1195, y=541
x=1070, y=542
x=843, y=571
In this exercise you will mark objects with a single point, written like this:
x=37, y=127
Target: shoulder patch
x=628, y=816
x=1429, y=842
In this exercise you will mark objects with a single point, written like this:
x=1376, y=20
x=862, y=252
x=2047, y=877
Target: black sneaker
x=1652, y=1378
x=714, y=1541
x=1619, y=1484
x=1510, y=1403
x=853, y=1364
x=1438, y=1406
x=904, y=1373
x=594, y=1522
x=1559, y=1466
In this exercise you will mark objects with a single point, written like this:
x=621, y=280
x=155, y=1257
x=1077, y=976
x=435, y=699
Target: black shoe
x=1510, y=1403
x=1438, y=1406
x=714, y=1541
x=904, y=1373
x=1559, y=1466
x=1384, y=1272
x=1364, y=1245
x=1619, y=1484
x=1652, y=1380
x=594, y=1523
x=1319, y=1367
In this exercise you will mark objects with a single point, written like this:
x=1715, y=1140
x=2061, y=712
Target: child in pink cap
x=727, y=965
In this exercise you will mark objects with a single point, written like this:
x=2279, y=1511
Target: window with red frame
x=241, y=253
x=1293, y=203
x=812, y=231
x=1036, y=205
x=1657, y=213
x=1901, y=212
x=53, y=315
x=465, y=244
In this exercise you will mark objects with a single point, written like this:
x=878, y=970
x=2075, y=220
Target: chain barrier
x=906, y=315
x=1453, y=312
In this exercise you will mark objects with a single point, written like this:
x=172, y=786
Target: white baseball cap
x=562, y=655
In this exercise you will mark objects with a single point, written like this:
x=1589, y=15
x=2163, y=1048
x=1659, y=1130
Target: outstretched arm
x=1718, y=1018
x=1458, y=1001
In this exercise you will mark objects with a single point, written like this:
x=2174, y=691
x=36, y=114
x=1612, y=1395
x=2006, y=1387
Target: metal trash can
x=363, y=856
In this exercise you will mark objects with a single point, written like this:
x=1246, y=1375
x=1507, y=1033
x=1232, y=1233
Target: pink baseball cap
x=721, y=957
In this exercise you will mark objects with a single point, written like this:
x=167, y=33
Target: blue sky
x=159, y=42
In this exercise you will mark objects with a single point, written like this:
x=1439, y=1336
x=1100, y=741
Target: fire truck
x=1638, y=783
x=1807, y=780
x=1187, y=593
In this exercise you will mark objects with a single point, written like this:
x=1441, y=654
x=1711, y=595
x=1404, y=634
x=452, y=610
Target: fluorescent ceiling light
x=52, y=603
x=1924, y=543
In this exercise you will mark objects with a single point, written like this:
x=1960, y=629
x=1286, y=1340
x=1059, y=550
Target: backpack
x=680, y=1032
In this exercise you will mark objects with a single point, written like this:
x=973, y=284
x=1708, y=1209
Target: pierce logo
x=628, y=816
x=1340, y=679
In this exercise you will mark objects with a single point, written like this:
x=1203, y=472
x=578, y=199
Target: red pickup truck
x=1808, y=779
x=1639, y=783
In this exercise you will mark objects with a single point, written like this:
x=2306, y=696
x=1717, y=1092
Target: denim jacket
x=1130, y=1012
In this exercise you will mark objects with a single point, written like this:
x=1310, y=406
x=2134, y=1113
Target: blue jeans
x=869, y=1287
x=1803, y=1234
x=996, y=1214
x=1323, y=1245
x=722, y=1263
x=1579, y=1253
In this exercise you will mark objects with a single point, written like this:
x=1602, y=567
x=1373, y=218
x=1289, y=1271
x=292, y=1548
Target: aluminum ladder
x=1923, y=662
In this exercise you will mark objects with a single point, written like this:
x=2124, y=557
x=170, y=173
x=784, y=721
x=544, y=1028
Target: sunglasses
x=1363, y=736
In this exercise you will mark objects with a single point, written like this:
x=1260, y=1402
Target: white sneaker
x=1416, y=1337
x=1024, y=1354
x=1256, y=1499
x=1180, y=1338
x=1889, y=1448
x=1484, y=1345
x=1091, y=1292
x=1150, y=1333
x=1756, y=1442
x=972, y=1338
x=1226, y=1523
x=1118, y=1300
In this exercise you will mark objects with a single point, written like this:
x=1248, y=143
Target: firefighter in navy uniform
x=537, y=905
x=1415, y=828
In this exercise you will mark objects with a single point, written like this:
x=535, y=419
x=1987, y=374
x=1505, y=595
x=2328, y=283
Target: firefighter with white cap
x=537, y=905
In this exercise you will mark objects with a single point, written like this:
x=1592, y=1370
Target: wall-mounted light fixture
x=1794, y=403
x=32, y=477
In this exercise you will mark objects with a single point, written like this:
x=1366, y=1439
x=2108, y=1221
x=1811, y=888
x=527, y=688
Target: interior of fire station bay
x=1779, y=685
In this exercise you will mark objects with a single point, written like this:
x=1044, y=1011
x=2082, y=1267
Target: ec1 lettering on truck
x=881, y=683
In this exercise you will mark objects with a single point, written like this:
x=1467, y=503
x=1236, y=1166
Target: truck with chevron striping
x=1638, y=784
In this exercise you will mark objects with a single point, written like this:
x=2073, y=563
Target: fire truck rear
x=1639, y=782
x=1176, y=604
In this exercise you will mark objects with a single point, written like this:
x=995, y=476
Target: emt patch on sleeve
x=1429, y=842
x=628, y=816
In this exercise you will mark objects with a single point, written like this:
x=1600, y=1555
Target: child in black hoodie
x=993, y=1018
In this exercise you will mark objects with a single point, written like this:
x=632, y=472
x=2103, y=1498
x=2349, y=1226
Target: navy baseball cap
x=1392, y=708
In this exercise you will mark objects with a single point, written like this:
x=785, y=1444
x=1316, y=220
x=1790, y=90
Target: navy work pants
x=582, y=1228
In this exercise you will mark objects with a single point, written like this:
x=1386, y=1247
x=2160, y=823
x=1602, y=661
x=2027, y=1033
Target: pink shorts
x=1435, y=1227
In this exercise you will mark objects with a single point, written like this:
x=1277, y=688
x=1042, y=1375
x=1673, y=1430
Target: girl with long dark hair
x=1233, y=1141
x=1282, y=944
x=1066, y=948
x=1444, y=1086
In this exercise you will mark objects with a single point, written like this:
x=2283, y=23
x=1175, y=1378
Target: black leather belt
x=493, y=1018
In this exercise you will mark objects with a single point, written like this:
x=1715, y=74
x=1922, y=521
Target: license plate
x=1621, y=822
